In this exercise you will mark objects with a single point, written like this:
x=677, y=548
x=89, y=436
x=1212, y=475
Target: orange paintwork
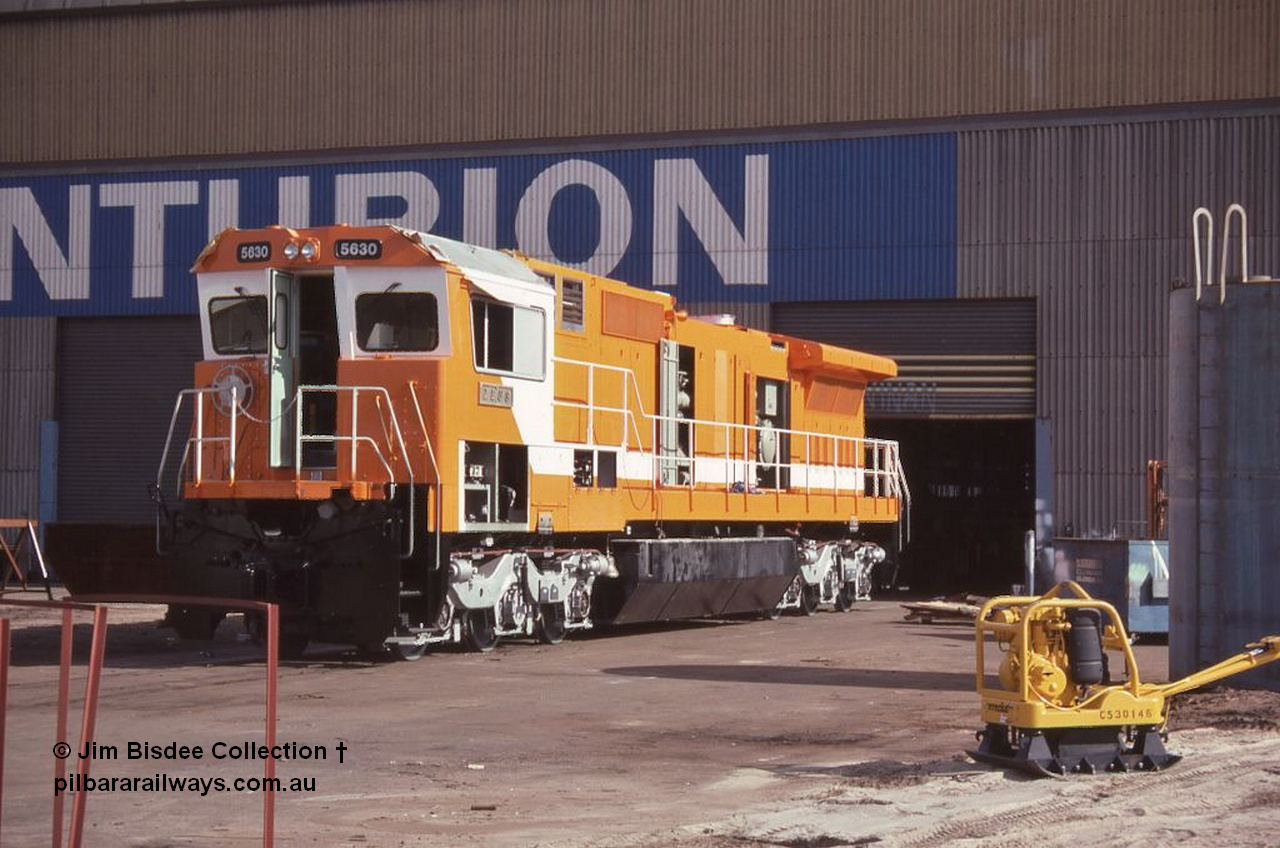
x=816, y=357
x=826, y=393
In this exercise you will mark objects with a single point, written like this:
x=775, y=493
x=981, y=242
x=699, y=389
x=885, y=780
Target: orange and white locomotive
x=406, y=440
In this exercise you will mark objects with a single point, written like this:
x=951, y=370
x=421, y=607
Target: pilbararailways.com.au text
x=167, y=783
x=175, y=752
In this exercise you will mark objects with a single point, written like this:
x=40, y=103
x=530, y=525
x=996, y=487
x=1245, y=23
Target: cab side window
x=508, y=339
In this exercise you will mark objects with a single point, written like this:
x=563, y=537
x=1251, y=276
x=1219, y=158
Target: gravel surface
x=840, y=729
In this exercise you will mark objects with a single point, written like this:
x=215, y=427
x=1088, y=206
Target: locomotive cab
x=293, y=328
x=295, y=481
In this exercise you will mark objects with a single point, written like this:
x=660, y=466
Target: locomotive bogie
x=839, y=573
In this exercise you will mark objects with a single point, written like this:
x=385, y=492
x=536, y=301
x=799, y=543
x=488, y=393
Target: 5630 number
x=254, y=251
x=357, y=248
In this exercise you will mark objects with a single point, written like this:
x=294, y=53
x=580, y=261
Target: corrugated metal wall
x=118, y=380
x=27, y=379
x=956, y=358
x=1094, y=221
x=318, y=76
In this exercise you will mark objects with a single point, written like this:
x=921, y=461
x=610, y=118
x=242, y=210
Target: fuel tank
x=665, y=579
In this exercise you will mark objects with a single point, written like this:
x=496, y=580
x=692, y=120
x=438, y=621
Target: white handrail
x=884, y=472
x=369, y=440
x=1205, y=266
x=200, y=430
x=198, y=439
x=904, y=496
x=884, y=462
x=889, y=470
x=231, y=453
x=354, y=439
x=422, y=425
x=626, y=413
x=379, y=391
x=1226, y=242
x=628, y=383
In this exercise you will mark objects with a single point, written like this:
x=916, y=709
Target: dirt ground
x=840, y=729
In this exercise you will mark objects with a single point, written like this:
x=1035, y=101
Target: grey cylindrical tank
x=1224, y=476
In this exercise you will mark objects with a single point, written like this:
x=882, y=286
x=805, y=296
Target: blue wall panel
x=839, y=219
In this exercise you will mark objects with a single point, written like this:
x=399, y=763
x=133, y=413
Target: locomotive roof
x=470, y=258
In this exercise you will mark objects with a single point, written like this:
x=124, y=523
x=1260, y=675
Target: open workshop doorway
x=972, y=502
x=963, y=410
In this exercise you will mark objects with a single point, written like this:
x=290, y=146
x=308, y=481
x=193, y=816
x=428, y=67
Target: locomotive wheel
x=410, y=653
x=480, y=630
x=846, y=597
x=808, y=599
x=550, y=627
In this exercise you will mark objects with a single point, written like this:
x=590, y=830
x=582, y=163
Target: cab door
x=283, y=355
x=669, y=410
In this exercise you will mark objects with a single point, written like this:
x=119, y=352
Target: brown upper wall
x=230, y=80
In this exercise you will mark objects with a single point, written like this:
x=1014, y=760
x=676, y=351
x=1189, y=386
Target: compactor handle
x=1265, y=650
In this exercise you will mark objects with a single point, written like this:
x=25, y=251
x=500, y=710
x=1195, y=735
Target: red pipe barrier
x=97, y=651
x=269, y=767
x=4, y=701
x=64, y=704
x=272, y=613
x=96, y=605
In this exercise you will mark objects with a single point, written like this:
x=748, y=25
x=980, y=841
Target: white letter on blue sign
x=64, y=276
x=741, y=256
x=615, y=213
x=479, y=203
x=148, y=201
x=354, y=191
x=224, y=205
x=294, y=205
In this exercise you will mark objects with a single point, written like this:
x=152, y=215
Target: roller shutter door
x=118, y=379
x=956, y=358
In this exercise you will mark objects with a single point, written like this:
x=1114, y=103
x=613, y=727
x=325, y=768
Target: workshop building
x=997, y=194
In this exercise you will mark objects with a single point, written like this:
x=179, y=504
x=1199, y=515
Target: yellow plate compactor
x=1056, y=709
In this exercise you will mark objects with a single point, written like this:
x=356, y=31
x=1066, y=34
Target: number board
x=357, y=249
x=254, y=251
x=495, y=395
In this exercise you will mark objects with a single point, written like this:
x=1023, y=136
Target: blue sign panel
x=816, y=220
